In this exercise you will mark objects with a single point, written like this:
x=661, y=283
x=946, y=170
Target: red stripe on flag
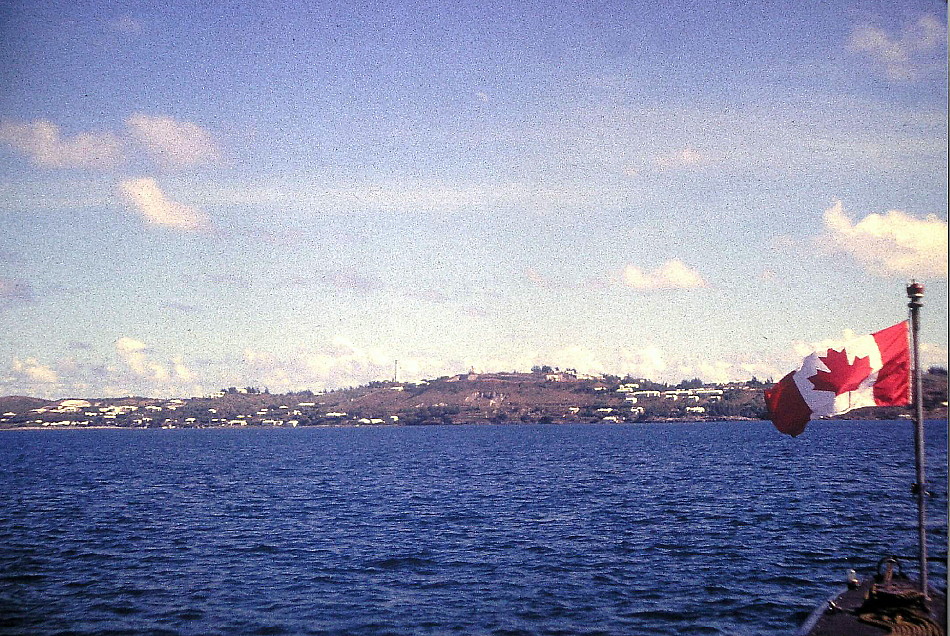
x=787, y=408
x=892, y=387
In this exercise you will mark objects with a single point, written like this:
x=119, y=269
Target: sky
x=297, y=195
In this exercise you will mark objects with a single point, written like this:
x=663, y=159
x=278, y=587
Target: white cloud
x=171, y=142
x=133, y=368
x=901, y=57
x=43, y=142
x=647, y=362
x=650, y=361
x=340, y=363
x=146, y=198
x=719, y=371
x=180, y=371
x=32, y=371
x=674, y=274
x=133, y=353
x=803, y=349
x=139, y=371
x=582, y=359
x=344, y=363
x=890, y=244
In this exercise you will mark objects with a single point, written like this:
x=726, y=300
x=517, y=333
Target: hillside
x=20, y=403
x=468, y=398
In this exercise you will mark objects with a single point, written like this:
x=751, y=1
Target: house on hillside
x=72, y=406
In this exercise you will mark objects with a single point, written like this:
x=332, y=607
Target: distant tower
x=395, y=371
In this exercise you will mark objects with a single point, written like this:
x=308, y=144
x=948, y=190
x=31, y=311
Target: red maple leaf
x=841, y=377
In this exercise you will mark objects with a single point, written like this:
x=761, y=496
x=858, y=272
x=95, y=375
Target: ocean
x=709, y=528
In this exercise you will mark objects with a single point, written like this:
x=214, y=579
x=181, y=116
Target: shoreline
x=382, y=426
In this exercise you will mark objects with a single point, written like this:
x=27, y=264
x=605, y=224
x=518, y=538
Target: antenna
x=395, y=371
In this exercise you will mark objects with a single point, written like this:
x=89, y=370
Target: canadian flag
x=871, y=370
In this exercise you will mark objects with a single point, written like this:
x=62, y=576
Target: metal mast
x=915, y=291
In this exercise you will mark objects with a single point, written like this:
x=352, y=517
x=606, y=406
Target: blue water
x=719, y=528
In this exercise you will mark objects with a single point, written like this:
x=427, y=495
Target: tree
x=695, y=383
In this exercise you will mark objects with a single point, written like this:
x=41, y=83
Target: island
x=545, y=395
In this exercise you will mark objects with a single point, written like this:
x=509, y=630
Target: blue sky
x=295, y=195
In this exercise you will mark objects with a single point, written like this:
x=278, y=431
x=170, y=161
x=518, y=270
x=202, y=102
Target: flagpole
x=915, y=291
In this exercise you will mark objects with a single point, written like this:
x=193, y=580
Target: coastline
x=436, y=424
x=492, y=398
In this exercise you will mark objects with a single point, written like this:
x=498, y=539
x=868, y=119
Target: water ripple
x=664, y=529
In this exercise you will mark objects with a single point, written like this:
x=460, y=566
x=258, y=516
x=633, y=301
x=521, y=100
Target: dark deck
x=842, y=619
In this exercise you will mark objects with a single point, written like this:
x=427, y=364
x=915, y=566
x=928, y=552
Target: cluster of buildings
x=557, y=396
x=72, y=413
x=633, y=395
x=174, y=413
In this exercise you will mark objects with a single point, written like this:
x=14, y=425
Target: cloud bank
x=890, y=244
x=32, y=371
x=169, y=142
x=135, y=368
x=134, y=355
